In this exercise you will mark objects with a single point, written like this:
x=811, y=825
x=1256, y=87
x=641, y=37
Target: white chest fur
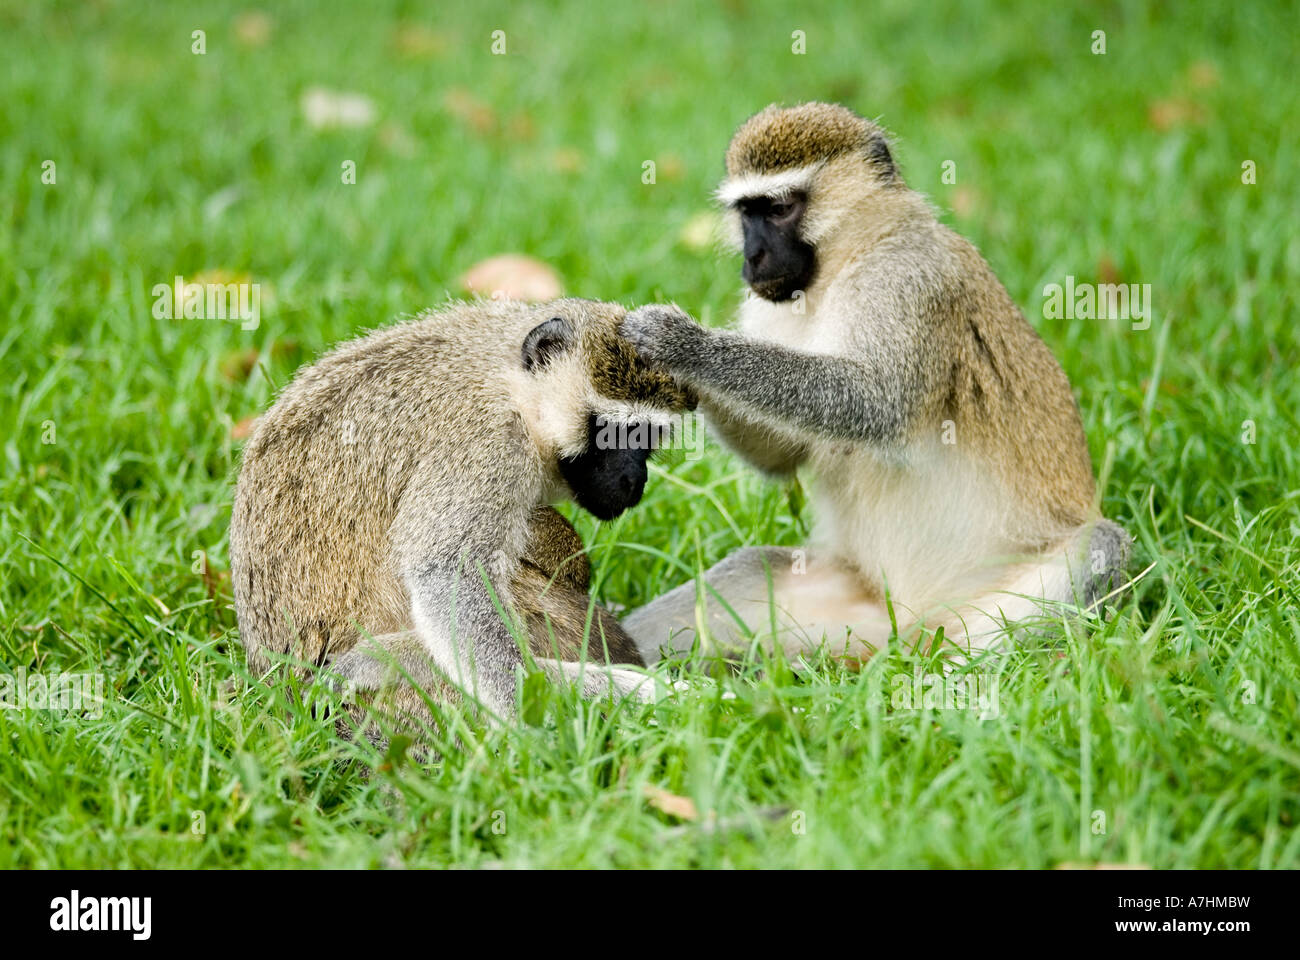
x=923, y=521
x=791, y=324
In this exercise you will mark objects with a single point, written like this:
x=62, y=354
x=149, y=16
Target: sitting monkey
x=951, y=479
x=398, y=490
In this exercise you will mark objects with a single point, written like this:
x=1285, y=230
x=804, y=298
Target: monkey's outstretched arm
x=460, y=627
x=458, y=543
x=863, y=400
x=470, y=642
x=451, y=531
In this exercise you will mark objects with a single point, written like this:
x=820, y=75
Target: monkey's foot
x=596, y=680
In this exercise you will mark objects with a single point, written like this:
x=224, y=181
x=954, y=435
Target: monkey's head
x=793, y=173
x=599, y=412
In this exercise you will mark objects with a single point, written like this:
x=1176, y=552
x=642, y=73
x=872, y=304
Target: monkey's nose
x=631, y=486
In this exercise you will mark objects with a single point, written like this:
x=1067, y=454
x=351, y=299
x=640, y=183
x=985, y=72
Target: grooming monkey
x=951, y=476
x=389, y=477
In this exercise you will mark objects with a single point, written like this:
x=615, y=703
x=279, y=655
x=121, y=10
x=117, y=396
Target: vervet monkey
x=950, y=473
x=396, y=473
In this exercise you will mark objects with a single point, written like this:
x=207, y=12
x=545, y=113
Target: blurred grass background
x=1176, y=720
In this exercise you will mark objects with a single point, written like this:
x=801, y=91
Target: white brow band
x=765, y=184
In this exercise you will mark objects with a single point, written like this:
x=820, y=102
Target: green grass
x=1165, y=736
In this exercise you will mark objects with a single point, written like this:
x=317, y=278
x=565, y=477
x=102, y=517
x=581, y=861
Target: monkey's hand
x=661, y=333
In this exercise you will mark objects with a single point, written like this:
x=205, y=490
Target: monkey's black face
x=609, y=476
x=778, y=262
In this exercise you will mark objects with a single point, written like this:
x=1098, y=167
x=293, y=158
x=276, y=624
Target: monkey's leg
x=373, y=670
x=564, y=624
x=555, y=549
x=800, y=599
x=564, y=629
x=551, y=592
x=1078, y=574
x=376, y=662
x=379, y=664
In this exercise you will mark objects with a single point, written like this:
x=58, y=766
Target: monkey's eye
x=784, y=209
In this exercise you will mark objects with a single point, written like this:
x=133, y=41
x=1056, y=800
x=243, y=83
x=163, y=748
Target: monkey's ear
x=878, y=155
x=545, y=341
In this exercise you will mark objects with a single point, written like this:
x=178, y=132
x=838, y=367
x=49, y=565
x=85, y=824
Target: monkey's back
x=1012, y=393
x=325, y=471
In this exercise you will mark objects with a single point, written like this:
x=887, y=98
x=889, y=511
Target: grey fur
x=863, y=399
x=1101, y=569
x=401, y=481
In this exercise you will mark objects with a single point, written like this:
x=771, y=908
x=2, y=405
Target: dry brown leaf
x=670, y=803
x=417, y=42
x=243, y=429
x=215, y=582
x=470, y=110
x=1174, y=112
x=252, y=28
x=1203, y=75
x=236, y=365
x=513, y=275
x=567, y=160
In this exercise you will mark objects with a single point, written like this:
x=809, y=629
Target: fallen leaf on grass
x=243, y=429
x=216, y=582
x=670, y=803
x=470, y=110
x=252, y=28
x=238, y=364
x=514, y=276
x=1174, y=112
